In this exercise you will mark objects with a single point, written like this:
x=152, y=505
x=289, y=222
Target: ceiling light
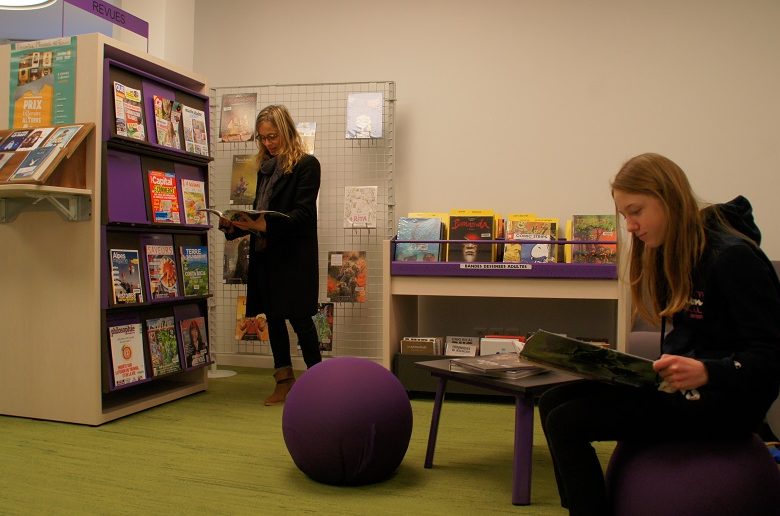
x=22, y=5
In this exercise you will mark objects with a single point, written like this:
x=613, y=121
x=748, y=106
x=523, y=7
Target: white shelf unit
x=52, y=331
x=404, y=296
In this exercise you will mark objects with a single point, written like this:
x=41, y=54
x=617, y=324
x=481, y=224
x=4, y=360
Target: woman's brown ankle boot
x=285, y=378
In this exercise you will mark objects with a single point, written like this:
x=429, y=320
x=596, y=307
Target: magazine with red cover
x=164, y=197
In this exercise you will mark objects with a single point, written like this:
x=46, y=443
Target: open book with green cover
x=588, y=360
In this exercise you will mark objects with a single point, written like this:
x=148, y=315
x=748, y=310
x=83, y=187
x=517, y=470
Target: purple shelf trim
x=507, y=270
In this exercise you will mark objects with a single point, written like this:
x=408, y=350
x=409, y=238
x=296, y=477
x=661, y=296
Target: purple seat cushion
x=347, y=421
x=693, y=478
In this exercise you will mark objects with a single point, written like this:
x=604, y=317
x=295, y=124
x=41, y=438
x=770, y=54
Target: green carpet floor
x=222, y=452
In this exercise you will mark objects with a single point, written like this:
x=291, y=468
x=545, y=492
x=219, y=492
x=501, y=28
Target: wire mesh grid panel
x=353, y=161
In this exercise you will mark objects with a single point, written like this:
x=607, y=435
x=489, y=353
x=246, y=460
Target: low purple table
x=524, y=390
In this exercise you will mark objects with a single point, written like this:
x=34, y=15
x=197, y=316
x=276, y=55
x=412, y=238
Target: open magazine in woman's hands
x=235, y=215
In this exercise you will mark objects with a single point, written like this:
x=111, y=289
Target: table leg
x=524, y=440
x=435, y=421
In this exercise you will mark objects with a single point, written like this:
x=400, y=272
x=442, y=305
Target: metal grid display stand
x=345, y=162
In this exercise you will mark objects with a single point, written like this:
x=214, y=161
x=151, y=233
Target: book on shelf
x=34, y=140
x=167, y=117
x=193, y=194
x=128, y=110
x=365, y=113
x=422, y=345
x=235, y=261
x=497, y=344
x=472, y=225
x=14, y=140
x=588, y=360
x=347, y=276
x=195, y=346
x=323, y=322
x=443, y=216
x=196, y=138
x=522, y=227
x=250, y=327
x=161, y=267
x=308, y=132
x=419, y=228
x=194, y=270
x=62, y=135
x=243, y=179
x=164, y=197
x=126, y=342
x=504, y=365
x=126, y=276
x=360, y=206
x=35, y=164
x=593, y=228
x=163, y=346
x=457, y=346
x=5, y=157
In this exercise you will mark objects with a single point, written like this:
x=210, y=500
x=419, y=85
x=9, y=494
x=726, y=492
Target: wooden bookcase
x=55, y=269
x=408, y=286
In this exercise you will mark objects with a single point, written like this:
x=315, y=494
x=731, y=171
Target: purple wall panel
x=126, y=198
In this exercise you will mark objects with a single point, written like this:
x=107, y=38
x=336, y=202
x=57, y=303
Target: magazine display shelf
x=406, y=283
x=53, y=336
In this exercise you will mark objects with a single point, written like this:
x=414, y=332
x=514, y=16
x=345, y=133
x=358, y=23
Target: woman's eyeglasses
x=267, y=138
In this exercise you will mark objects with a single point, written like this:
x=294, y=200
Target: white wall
x=527, y=105
x=171, y=33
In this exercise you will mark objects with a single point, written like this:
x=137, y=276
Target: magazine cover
x=323, y=321
x=164, y=197
x=163, y=280
x=238, y=117
x=193, y=195
x=167, y=115
x=127, y=353
x=129, y=112
x=419, y=228
x=360, y=206
x=364, y=115
x=235, y=265
x=347, y=275
x=196, y=138
x=243, y=179
x=308, y=132
x=250, y=328
x=194, y=341
x=126, y=276
x=163, y=347
x=195, y=270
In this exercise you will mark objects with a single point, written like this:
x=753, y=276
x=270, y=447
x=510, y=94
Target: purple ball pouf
x=347, y=421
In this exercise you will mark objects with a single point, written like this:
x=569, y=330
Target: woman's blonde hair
x=661, y=277
x=291, y=148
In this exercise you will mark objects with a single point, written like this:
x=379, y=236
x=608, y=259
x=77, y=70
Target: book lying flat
x=234, y=215
x=588, y=360
x=503, y=365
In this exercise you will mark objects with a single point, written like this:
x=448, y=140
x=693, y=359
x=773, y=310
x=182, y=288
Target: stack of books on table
x=502, y=365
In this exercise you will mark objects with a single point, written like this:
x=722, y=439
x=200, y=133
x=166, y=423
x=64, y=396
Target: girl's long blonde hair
x=661, y=278
x=291, y=148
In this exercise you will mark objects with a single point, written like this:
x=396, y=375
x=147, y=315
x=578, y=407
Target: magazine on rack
x=588, y=360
